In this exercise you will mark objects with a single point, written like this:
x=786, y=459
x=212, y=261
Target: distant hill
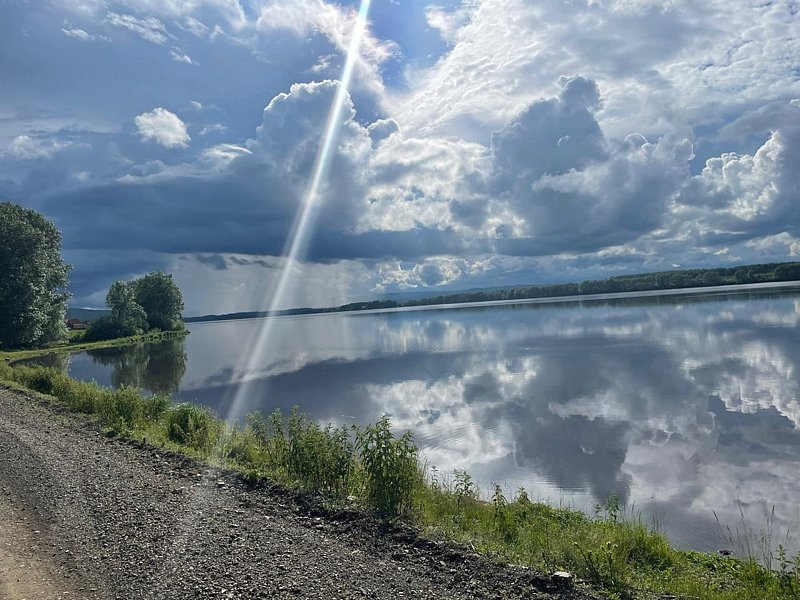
x=86, y=314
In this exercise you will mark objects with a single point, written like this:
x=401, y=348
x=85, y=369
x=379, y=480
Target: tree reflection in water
x=158, y=368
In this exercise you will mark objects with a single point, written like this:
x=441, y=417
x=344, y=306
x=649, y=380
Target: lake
x=684, y=407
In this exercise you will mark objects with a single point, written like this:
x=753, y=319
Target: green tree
x=125, y=311
x=788, y=272
x=711, y=278
x=161, y=299
x=33, y=279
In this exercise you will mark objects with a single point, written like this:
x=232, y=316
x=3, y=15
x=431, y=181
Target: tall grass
x=370, y=465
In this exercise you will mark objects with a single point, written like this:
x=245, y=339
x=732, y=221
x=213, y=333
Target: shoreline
x=14, y=356
x=568, y=299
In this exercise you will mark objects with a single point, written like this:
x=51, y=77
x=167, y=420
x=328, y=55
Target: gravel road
x=85, y=516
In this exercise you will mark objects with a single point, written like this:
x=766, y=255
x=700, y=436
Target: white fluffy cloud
x=660, y=65
x=163, y=127
x=449, y=22
x=748, y=193
x=433, y=272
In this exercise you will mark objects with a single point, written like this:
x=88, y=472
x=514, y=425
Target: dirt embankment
x=84, y=516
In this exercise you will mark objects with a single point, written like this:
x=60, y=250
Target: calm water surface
x=686, y=408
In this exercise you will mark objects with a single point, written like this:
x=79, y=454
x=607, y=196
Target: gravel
x=86, y=516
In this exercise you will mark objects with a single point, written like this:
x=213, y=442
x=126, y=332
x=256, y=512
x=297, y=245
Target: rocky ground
x=86, y=516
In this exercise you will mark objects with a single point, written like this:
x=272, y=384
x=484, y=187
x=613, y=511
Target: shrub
x=155, y=406
x=107, y=328
x=270, y=435
x=123, y=407
x=192, y=426
x=318, y=459
x=81, y=396
x=390, y=467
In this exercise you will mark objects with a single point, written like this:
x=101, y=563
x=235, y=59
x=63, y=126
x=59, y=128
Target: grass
x=618, y=554
x=74, y=343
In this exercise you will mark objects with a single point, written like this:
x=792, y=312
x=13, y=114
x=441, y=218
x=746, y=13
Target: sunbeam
x=297, y=242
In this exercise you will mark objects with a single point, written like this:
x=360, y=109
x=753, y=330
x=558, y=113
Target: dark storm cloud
x=550, y=136
x=215, y=261
x=94, y=271
x=576, y=191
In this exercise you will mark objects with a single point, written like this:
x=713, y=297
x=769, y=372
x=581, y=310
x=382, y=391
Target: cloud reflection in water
x=681, y=407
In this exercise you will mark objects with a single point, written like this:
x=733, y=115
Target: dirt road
x=85, y=516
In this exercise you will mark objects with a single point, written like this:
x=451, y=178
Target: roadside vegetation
x=382, y=472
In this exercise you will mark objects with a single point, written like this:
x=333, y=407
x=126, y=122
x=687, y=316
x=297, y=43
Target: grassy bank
x=623, y=557
x=76, y=345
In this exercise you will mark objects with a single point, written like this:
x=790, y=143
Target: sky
x=481, y=143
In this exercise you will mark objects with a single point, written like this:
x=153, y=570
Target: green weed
x=390, y=468
x=192, y=426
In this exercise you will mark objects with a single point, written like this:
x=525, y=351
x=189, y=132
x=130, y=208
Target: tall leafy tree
x=125, y=311
x=33, y=279
x=161, y=299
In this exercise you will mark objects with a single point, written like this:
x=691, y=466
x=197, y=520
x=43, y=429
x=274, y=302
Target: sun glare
x=261, y=349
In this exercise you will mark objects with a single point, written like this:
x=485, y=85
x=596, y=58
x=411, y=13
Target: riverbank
x=623, y=558
x=102, y=517
x=12, y=356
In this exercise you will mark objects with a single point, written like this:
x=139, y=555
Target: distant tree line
x=664, y=280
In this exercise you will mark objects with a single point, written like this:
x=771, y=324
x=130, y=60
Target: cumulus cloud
x=570, y=189
x=382, y=129
x=163, y=127
x=749, y=193
x=436, y=271
x=780, y=243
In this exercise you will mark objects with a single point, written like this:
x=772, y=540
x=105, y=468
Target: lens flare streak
x=299, y=236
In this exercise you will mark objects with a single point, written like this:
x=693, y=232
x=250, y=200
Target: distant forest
x=664, y=280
